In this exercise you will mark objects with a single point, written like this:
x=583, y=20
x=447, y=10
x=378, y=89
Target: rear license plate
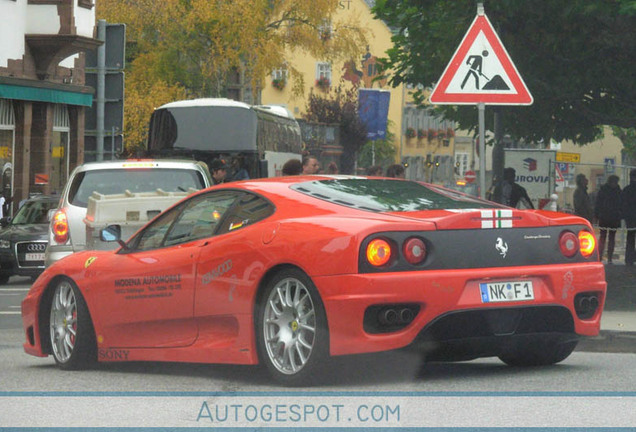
x=506, y=291
x=34, y=257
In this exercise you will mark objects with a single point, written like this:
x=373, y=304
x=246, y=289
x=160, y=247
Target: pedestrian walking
x=375, y=171
x=582, y=203
x=607, y=210
x=628, y=197
x=310, y=165
x=509, y=192
x=396, y=171
x=292, y=167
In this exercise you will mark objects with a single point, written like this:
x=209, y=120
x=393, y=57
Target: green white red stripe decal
x=496, y=219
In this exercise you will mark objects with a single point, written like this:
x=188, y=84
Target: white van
x=67, y=231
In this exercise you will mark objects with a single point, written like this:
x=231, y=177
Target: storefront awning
x=37, y=94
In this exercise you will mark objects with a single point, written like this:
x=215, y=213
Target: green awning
x=8, y=91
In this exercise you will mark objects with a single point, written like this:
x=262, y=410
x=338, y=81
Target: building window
x=461, y=162
x=60, y=138
x=7, y=141
x=323, y=70
x=325, y=30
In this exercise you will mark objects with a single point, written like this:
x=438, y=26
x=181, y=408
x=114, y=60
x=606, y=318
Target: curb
x=610, y=342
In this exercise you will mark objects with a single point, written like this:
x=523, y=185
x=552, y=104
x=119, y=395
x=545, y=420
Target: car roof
x=44, y=198
x=139, y=163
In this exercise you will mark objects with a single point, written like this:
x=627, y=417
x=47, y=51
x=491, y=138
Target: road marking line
x=9, y=312
x=14, y=289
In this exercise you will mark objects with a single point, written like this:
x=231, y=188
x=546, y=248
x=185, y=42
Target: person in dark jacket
x=629, y=214
x=607, y=210
x=582, y=202
x=509, y=192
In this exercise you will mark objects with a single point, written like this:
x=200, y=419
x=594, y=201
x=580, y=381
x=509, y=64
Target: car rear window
x=34, y=212
x=386, y=195
x=114, y=181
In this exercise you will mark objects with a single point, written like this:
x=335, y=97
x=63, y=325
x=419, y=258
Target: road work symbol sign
x=481, y=71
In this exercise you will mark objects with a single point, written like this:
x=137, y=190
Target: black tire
x=4, y=279
x=539, y=353
x=289, y=308
x=71, y=332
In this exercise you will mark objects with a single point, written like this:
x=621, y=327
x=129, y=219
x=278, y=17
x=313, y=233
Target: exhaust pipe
x=388, y=317
x=406, y=315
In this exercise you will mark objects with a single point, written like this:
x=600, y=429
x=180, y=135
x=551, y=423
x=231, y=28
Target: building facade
x=321, y=76
x=42, y=93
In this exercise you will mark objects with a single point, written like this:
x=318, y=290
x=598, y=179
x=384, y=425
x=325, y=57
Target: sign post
x=481, y=73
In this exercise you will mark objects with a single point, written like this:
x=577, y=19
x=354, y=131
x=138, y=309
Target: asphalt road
x=11, y=296
x=399, y=386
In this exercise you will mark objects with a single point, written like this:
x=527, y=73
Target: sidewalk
x=618, y=323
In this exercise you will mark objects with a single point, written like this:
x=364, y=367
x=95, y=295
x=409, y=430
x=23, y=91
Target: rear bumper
x=56, y=253
x=440, y=293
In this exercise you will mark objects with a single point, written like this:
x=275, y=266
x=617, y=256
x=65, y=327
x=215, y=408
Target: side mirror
x=112, y=233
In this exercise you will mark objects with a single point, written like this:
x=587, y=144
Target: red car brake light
x=568, y=243
x=60, y=227
x=587, y=243
x=378, y=252
x=414, y=250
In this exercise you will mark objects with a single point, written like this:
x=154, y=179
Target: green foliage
x=576, y=57
x=384, y=150
x=628, y=138
x=340, y=105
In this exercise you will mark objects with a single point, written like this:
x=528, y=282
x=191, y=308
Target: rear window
x=34, y=212
x=114, y=181
x=385, y=195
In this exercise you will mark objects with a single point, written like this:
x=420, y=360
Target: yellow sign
x=4, y=152
x=57, y=152
x=568, y=157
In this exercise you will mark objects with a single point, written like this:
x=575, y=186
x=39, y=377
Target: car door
x=231, y=265
x=155, y=279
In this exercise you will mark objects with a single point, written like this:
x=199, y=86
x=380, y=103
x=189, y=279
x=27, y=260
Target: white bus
x=263, y=137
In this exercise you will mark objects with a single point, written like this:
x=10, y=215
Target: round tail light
x=569, y=244
x=59, y=227
x=378, y=252
x=587, y=243
x=414, y=250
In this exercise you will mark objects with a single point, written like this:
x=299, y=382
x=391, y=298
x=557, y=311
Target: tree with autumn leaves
x=191, y=48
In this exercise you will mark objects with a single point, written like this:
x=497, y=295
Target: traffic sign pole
x=482, y=150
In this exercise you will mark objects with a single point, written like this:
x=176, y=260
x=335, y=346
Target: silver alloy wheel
x=289, y=326
x=63, y=323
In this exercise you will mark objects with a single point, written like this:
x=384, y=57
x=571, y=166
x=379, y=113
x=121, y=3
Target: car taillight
x=378, y=252
x=414, y=250
x=60, y=227
x=587, y=243
x=569, y=244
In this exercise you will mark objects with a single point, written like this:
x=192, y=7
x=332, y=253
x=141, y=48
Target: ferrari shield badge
x=89, y=261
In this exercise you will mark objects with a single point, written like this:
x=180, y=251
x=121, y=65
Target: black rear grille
x=30, y=250
x=499, y=322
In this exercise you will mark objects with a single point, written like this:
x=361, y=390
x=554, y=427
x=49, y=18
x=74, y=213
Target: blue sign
x=373, y=109
x=610, y=164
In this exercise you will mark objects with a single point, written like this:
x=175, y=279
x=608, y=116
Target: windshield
x=34, y=212
x=115, y=181
x=205, y=128
x=385, y=195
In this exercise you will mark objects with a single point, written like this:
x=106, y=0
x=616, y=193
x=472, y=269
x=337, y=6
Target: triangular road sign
x=481, y=71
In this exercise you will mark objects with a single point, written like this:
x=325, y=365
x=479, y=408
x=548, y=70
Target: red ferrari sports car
x=288, y=271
